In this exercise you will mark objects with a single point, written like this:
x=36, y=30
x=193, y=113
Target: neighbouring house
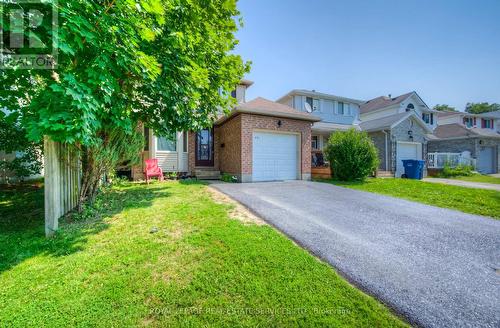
x=336, y=114
x=400, y=128
x=462, y=134
x=259, y=140
x=398, y=137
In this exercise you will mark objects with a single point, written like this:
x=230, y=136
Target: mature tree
x=479, y=108
x=444, y=108
x=13, y=139
x=167, y=63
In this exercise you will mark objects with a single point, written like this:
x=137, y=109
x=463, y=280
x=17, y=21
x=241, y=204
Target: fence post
x=62, y=182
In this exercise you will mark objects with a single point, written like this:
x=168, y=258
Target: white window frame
x=469, y=122
x=317, y=143
x=167, y=151
x=343, y=108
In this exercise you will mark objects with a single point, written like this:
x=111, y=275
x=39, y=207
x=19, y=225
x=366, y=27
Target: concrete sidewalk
x=466, y=184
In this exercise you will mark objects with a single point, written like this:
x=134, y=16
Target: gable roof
x=262, y=106
x=388, y=122
x=383, y=102
x=309, y=93
x=455, y=130
x=495, y=114
x=448, y=114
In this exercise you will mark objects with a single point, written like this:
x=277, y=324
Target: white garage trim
x=298, y=153
x=399, y=163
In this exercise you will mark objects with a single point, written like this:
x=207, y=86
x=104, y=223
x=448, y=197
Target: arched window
x=410, y=107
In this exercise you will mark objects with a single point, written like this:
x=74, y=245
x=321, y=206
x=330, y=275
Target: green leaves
x=352, y=155
x=161, y=62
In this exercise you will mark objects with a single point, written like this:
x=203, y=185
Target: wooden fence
x=62, y=182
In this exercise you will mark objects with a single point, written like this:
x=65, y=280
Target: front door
x=205, y=148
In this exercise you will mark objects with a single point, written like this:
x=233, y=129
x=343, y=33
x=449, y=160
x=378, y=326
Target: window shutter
x=475, y=122
x=465, y=121
x=483, y=123
x=432, y=118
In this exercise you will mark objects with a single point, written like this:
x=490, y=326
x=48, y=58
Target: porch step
x=385, y=174
x=204, y=174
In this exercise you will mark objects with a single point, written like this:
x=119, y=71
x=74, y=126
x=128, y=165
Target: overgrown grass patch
x=469, y=200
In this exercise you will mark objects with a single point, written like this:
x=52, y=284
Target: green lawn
x=201, y=268
x=479, y=178
x=475, y=201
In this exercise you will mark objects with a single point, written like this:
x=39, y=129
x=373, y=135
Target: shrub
x=226, y=177
x=352, y=155
x=458, y=171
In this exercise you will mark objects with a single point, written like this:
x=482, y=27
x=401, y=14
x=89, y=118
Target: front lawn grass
x=474, y=201
x=479, y=178
x=197, y=267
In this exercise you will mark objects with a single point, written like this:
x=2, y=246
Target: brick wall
x=249, y=123
x=230, y=146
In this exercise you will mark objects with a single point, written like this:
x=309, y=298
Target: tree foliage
x=479, y=108
x=13, y=139
x=167, y=63
x=444, y=108
x=352, y=155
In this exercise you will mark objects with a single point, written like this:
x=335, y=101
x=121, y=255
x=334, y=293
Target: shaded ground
x=436, y=266
x=168, y=255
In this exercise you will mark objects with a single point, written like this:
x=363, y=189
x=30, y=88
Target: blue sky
x=447, y=51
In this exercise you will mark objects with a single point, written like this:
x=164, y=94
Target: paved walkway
x=466, y=184
x=433, y=265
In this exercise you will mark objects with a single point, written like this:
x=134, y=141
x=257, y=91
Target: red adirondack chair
x=153, y=170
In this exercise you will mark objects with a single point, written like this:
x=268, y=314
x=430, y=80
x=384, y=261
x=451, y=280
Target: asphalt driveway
x=434, y=266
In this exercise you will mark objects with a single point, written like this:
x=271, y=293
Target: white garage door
x=406, y=150
x=275, y=156
x=485, y=162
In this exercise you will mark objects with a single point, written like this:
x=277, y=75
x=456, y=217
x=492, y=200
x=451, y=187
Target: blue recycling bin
x=414, y=169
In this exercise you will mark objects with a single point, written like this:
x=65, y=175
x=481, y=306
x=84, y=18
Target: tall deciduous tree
x=444, y=108
x=484, y=107
x=167, y=63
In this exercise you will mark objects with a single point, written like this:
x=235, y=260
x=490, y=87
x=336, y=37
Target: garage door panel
x=485, y=161
x=275, y=156
x=406, y=151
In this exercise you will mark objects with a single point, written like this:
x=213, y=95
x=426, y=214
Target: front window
x=426, y=118
x=341, y=108
x=314, y=103
x=315, y=143
x=167, y=143
x=468, y=122
x=487, y=124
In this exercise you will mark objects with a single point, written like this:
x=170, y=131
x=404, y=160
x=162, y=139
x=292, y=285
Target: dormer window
x=410, y=107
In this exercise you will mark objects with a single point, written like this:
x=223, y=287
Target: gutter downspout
x=386, y=163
